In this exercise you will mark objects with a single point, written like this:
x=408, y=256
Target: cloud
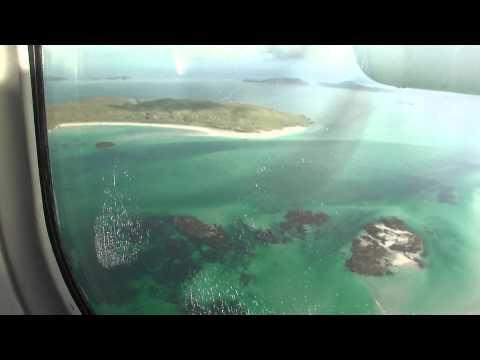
x=287, y=52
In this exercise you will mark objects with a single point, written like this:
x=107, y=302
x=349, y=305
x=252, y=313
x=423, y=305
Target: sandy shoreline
x=204, y=130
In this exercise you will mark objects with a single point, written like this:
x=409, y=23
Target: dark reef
x=181, y=244
x=246, y=279
x=296, y=222
x=104, y=144
x=266, y=236
x=446, y=195
x=212, y=240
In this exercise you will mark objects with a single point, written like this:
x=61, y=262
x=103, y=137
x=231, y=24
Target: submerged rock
x=446, y=196
x=267, y=237
x=246, y=278
x=104, y=144
x=212, y=240
x=196, y=229
x=384, y=245
x=296, y=222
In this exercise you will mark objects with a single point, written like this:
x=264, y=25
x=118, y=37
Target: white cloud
x=314, y=62
x=287, y=52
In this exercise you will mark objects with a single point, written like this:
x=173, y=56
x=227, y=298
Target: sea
x=368, y=155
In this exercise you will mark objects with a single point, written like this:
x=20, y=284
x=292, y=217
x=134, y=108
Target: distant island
x=351, y=85
x=111, y=78
x=218, y=119
x=54, y=78
x=279, y=81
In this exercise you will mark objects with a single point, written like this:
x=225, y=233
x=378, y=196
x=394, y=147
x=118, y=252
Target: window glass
x=260, y=180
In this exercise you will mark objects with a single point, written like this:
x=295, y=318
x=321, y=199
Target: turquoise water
x=368, y=155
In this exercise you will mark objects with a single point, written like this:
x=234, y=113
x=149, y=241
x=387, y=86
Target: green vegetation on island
x=224, y=116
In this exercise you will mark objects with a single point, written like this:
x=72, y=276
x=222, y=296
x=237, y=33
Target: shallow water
x=369, y=155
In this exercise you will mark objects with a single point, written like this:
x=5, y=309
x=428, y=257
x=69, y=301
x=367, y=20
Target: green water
x=368, y=156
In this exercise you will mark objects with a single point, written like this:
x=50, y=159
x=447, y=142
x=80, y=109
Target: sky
x=311, y=63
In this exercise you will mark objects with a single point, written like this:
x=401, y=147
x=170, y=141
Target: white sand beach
x=272, y=134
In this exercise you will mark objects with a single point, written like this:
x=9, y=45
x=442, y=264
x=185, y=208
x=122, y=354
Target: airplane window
x=260, y=180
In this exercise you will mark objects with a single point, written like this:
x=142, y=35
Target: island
x=54, y=78
x=230, y=119
x=384, y=245
x=351, y=85
x=279, y=81
x=111, y=78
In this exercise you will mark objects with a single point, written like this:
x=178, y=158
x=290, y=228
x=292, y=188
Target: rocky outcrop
x=384, y=245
